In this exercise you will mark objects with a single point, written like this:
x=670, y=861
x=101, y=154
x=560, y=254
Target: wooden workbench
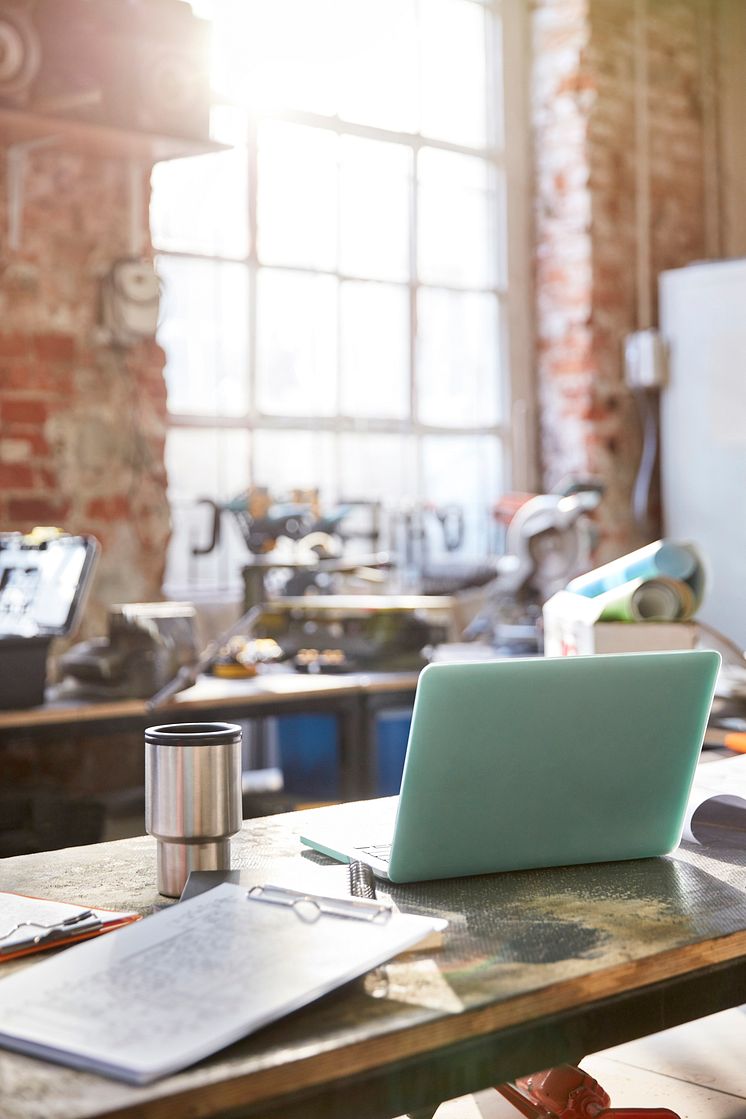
x=538, y=967
x=354, y=699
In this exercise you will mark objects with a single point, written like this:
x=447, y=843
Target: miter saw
x=549, y=540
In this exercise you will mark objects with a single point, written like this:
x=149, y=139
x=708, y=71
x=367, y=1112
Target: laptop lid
x=536, y=762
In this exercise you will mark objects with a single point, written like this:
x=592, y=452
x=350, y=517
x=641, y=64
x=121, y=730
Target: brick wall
x=614, y=207
x=82, y=423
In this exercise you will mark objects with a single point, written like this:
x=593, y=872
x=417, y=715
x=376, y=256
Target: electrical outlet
x=645, y=360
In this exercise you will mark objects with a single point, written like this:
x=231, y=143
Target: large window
x=340, y=310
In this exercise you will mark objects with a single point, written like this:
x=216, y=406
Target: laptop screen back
x=535, y=762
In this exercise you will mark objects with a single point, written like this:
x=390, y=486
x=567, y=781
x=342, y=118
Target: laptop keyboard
x=380, y=851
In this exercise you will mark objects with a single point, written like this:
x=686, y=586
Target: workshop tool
x=549, y=540
x=187, y=674
x=262, y=520
x=566, y=1092
x=45, y=576
x=147, y=643
x=723, y=736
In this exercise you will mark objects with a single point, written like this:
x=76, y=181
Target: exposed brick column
x=589, y=187
x=563, y=94
x=82, y=423
x=614, y=442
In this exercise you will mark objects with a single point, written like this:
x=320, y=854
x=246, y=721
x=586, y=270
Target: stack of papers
x=186, y=982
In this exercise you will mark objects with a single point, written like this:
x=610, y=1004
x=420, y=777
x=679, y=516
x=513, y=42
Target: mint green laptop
x=538, y=762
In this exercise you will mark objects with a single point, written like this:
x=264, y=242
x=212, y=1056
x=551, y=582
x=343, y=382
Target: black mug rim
x=193, y=734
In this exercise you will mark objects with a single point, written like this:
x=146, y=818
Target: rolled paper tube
x=648, y=600
x=698, y=579
x=663, y=557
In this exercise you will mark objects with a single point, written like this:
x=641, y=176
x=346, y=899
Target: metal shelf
x=17, y=126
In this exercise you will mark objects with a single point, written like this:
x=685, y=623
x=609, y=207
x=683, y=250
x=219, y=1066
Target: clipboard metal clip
x=310, y=907
x=52, y=926
x=84, y=922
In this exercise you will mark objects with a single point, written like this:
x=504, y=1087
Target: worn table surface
x=280, y=687
x=537, y=967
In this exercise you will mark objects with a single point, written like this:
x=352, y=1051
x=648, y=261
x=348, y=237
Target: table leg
x=356, y=750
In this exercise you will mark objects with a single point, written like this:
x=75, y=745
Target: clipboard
x=30, y=924
x=189, y=980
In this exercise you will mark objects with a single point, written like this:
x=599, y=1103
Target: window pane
x=297, y=344
x=204, y=463
x=204, y=331
x=297, y=203
x=453, y=61
x=457, y=217
x=270, y=54
x=374, y=209
x=464, y=472
x=378, y=76
x=288, y=460
x=458, y=366
x=374, y=356
x=376, y=467
x=207, y=462
x=200, y=204
x=203, y=8
x=229, y=124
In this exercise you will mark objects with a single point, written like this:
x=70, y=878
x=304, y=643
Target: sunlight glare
x=278, y=55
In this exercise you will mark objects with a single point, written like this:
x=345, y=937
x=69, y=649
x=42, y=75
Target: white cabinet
x=703, y=429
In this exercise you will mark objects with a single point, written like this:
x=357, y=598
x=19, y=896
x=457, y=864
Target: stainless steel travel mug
x=192, y=798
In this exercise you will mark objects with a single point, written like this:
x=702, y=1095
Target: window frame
x=510, y=156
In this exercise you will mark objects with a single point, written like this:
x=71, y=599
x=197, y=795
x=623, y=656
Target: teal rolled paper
x=661, y=558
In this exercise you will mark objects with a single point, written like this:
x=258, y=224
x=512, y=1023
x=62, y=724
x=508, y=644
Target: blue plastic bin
x=392, y=732
x=309, y=756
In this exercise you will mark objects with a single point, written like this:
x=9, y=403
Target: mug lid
x=193, y=734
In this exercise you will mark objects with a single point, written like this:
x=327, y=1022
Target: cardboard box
x=571, y=628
